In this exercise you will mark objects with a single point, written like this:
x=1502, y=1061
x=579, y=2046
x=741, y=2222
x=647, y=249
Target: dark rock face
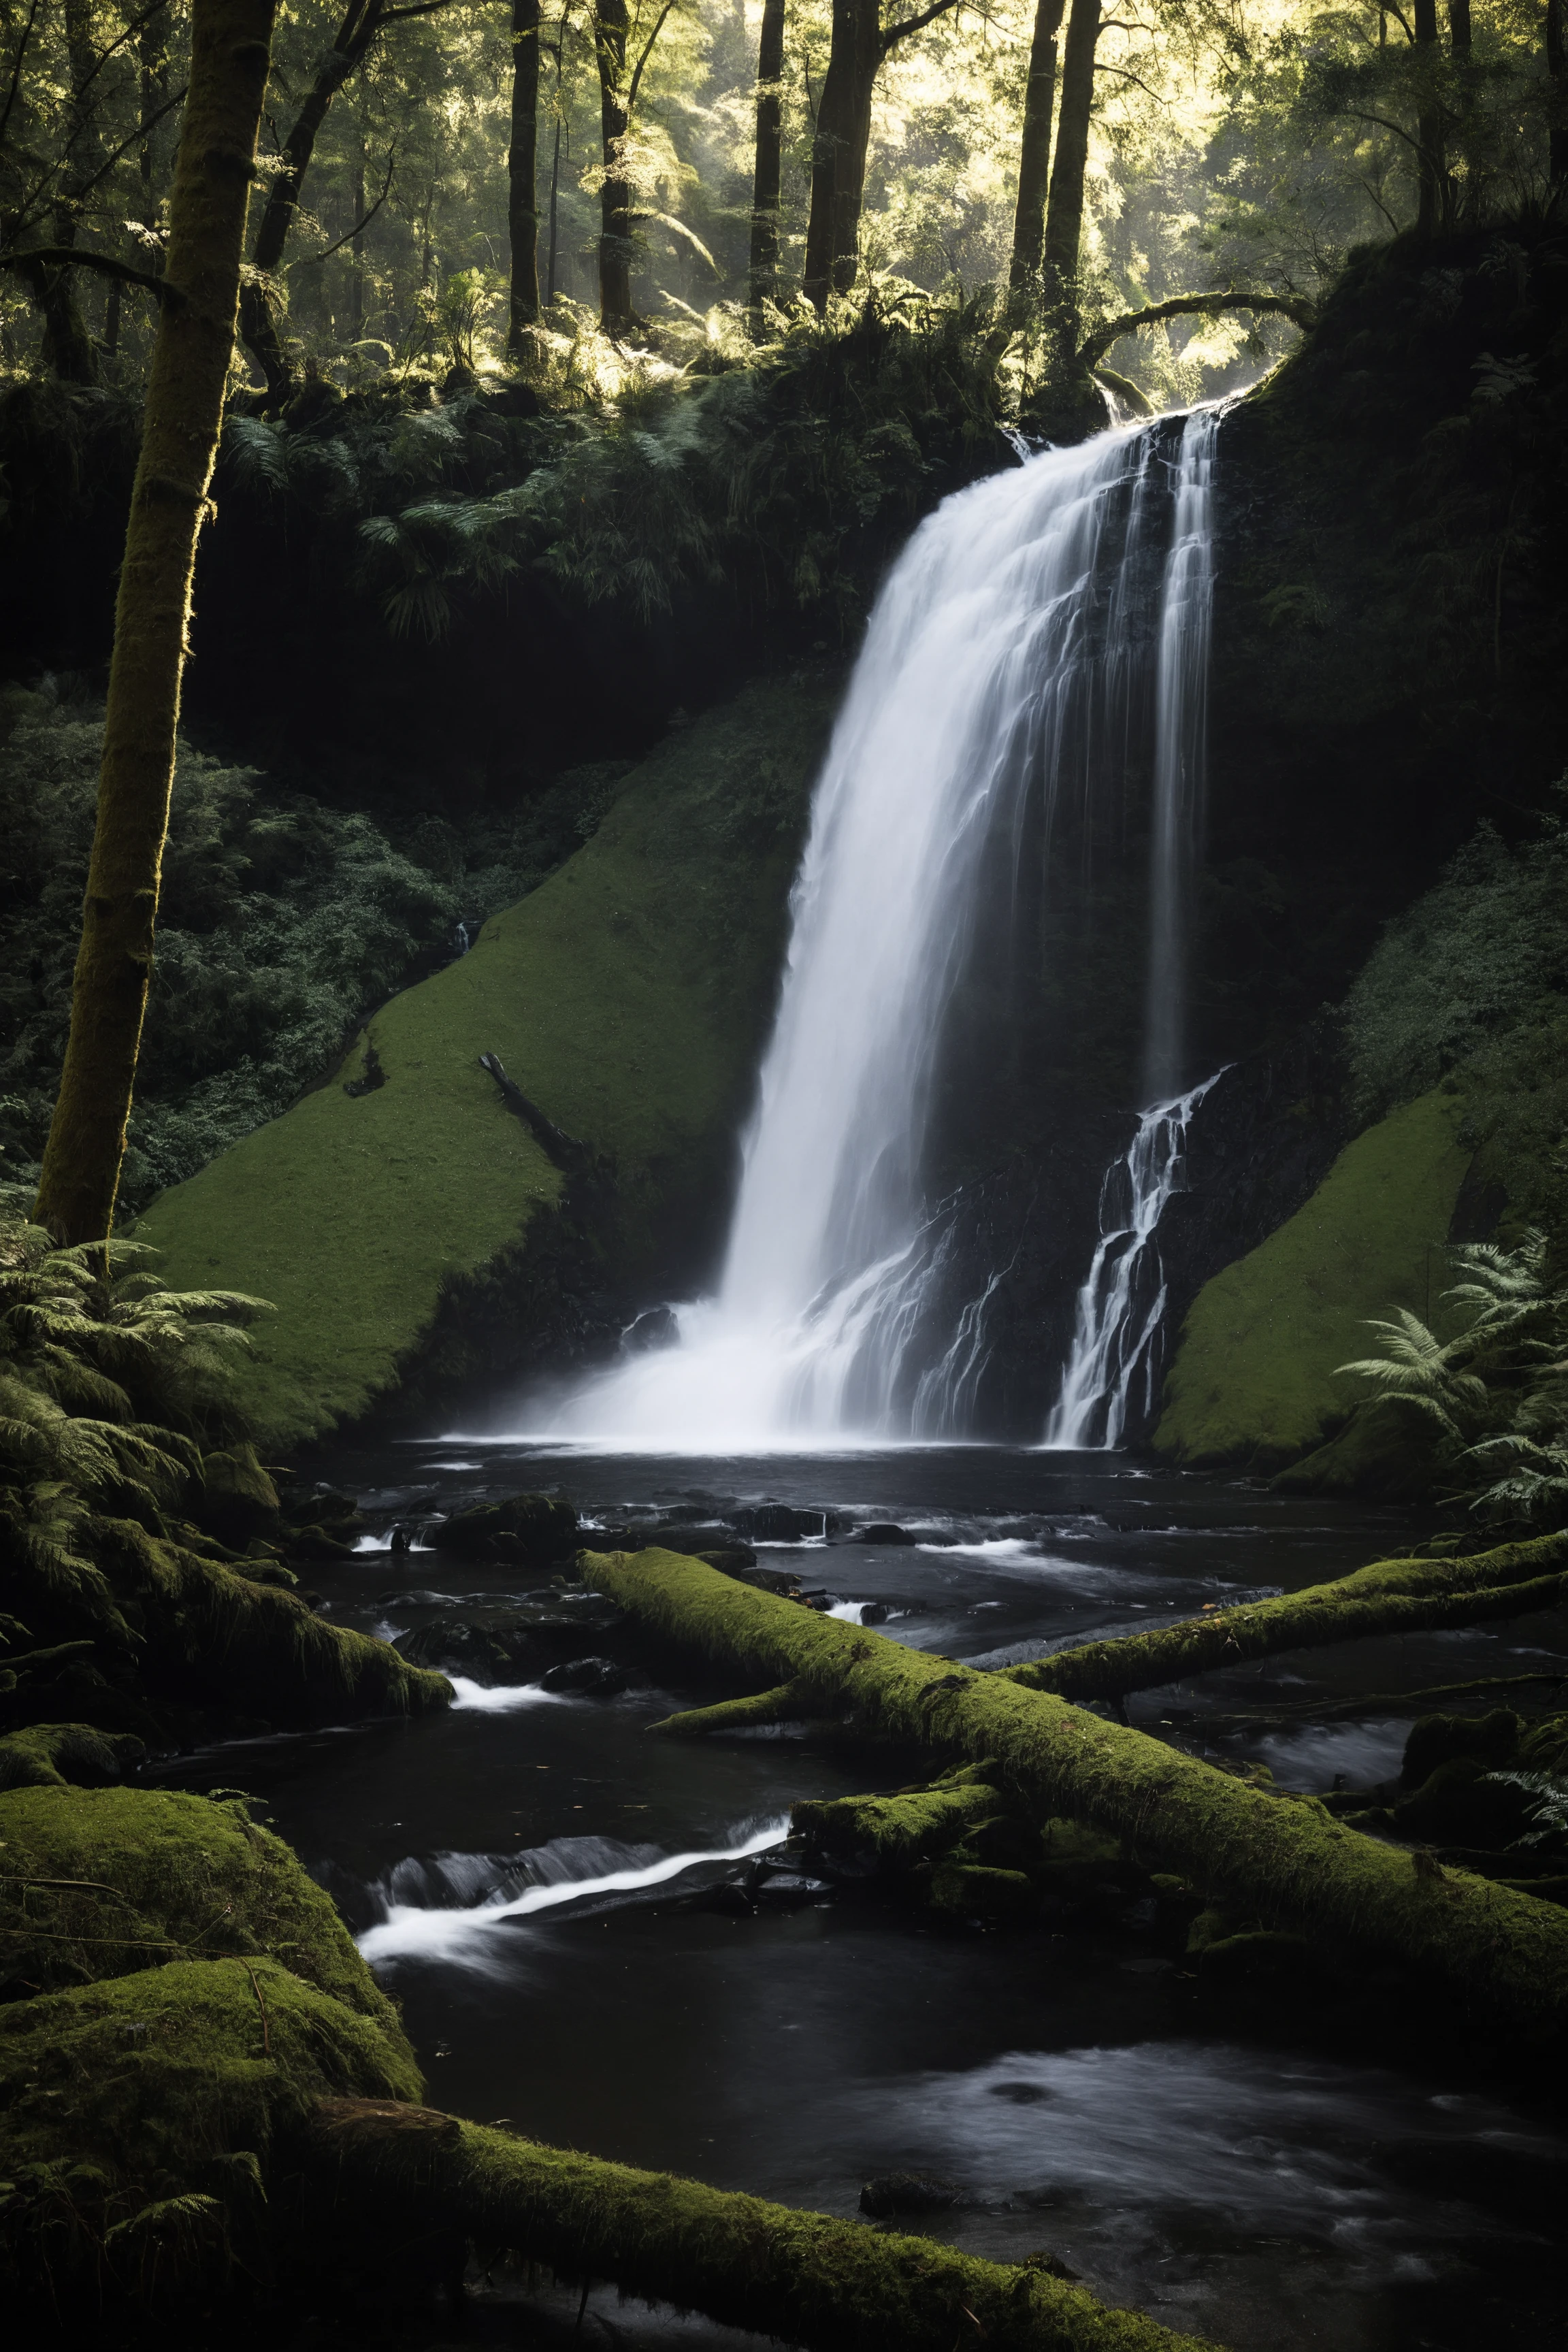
x=524, y=1643
x=911, y=2192
x=533, y=1529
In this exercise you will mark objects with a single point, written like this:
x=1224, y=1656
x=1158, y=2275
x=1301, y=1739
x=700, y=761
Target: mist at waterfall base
x=1044, y=635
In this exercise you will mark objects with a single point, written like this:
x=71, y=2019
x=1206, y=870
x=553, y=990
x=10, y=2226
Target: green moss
x=108, y=1882
x=137, y=2119
x=1282, y=1861
x=895, y=1832
x=626, y=997
x=1252, y=1379
x=52, y=1755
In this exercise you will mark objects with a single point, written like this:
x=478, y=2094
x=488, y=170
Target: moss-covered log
x=804, y=2278
x=1281, y=1860
x=1393, y=1596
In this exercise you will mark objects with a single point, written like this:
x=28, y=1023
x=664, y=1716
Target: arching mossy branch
x=1393, y=1596
x=1281, y=1860
x=825, y=2285
x=1188, y=306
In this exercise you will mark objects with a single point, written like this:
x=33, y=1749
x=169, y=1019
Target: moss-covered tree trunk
x=804, y=2278
x=184, y=413
x=1034, y=149
x=767, y=175
x=522, y=174
x=1394, y=1596
x=1281, y=1860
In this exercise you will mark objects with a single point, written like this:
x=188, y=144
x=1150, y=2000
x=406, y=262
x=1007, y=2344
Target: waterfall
x=1115, y=1361
x=1001, y=682
x=1180, y=728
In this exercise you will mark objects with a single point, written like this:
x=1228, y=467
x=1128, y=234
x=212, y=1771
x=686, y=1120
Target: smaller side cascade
x=1115, y=1358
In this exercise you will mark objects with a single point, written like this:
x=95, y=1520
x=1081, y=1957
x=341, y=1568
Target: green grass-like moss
x=108, y=1882
x=626, y=997
x=1253, y=1377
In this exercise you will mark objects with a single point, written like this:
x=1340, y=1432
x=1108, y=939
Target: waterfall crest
x=1002, y=679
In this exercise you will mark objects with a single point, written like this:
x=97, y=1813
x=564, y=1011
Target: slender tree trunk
x=1557, y=93
x=1034, y=149
x=356, y=251
x=838, y=155
x=767, y=177
x=183, y=413
x=1428, y=125
x=1064, y=215
x=554, y=211
x=258, y=317
x=1270, y=1857
x=611, y=25
x=68, y=346
x=521, y=163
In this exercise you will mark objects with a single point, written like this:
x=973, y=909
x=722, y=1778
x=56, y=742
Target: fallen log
x=801, y=2278
x=1391, y=1596
x=1282, y=1860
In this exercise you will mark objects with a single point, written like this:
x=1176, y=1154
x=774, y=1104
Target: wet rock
x=510, y=1645
x=730, y=1562
x=969, y=1890
x=882, y=1532
x=787, y=1886
x=1487, y=1739
x=911, y=2192
x=534, y=1529
x=780, y=1523
x=317, y=1544
x=586, y=1677
x=1462, y=1804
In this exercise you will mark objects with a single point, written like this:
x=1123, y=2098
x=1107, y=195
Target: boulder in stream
x=534, y=1529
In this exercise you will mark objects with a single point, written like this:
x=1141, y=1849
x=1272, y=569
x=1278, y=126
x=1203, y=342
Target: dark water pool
x=527, y=1873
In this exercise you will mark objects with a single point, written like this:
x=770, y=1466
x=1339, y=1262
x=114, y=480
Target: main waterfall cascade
x=1003, y=687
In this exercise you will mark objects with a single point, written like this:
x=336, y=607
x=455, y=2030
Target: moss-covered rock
x=1253, y=1380
x=626, y=997
x=56, y=1755
x=107, y=1881
x=536, y=1530
x=138, y=2118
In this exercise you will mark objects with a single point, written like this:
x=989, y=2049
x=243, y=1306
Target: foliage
x=284, y=920
x=1496, y=1393
x=1550, y=1811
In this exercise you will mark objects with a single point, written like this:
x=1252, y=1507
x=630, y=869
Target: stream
x=560, y=1904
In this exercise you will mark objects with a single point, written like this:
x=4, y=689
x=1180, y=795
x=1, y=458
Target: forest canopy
x=440, y=182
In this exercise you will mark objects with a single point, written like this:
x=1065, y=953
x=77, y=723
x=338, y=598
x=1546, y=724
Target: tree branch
x=311, y=259
x=1180, y=306
x=25, y=37
x=74, y=256
x=916, y=23
x=635, y=82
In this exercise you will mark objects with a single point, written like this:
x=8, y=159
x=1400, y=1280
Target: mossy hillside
x=1252, y=1379
x=106, y=1882
x=138, y=2118
x=626, y=997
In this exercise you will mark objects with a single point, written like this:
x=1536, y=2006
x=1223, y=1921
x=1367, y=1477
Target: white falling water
x=1114, y=1361
x=1181, y=731
x=996, y=666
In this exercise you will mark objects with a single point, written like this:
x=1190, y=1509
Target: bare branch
x=635, y=82
x=27, y=36
x=311, y=259
x=104, y=265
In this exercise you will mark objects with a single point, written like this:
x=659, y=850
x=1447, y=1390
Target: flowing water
x=569, y=1914
x=1005, y=682
x=1117, y=1357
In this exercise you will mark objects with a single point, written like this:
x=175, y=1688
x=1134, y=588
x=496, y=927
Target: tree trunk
x=1428, y=124
x=611, y=25
x=356, y=249
x=1064, y=217
x=522, y=201
x=68, y=347
x=182, y=419
x=839, y=150
x=767, y=177
x=1557, y=96
x=827, y=2285
x=1278, y=1859
x=1394, y=1596
x=1034, y=149
x=258, y=319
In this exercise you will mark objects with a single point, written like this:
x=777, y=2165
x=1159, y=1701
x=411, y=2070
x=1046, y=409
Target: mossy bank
x=409, y=1229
